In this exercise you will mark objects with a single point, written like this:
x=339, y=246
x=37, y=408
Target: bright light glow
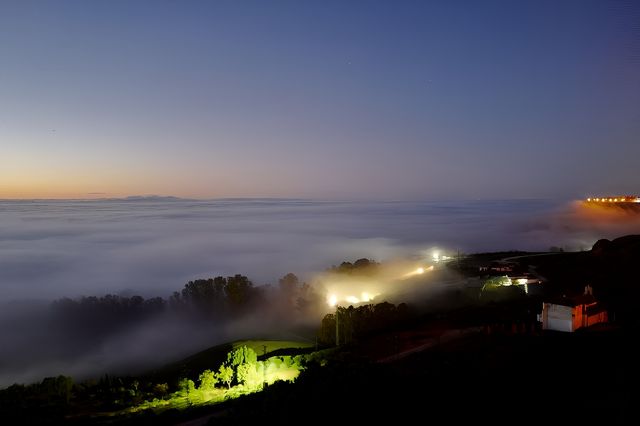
x=352, y=299
x=367, y=297
x=522, y=281
x=617, y=199
x=418, y=271
x=332, y=300
x=436, y=256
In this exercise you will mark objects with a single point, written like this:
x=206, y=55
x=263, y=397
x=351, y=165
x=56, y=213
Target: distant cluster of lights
x=437, y=257
x=333, y=299
x=625, y=199
x=418, y=271
x=507, y=281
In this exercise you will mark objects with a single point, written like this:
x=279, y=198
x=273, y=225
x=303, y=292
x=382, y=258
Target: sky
x=323, y=99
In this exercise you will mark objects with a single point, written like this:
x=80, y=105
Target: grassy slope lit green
x=212, y=357
x=280, y=367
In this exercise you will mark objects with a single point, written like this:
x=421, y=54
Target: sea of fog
x=50, y=249
x=55, y=249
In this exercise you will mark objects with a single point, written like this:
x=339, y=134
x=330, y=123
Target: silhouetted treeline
x=98, y=315
x=614, y=267
x=218, y=297
x=226, y=298
x=46, y=402
x=362, y=266
x=295, y=297
x=356, y=322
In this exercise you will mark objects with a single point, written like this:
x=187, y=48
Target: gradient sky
x=357, y=99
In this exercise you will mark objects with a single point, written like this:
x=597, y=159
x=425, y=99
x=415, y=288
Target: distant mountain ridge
x=162, y=198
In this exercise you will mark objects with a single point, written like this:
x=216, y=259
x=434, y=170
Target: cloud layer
x=54, y=249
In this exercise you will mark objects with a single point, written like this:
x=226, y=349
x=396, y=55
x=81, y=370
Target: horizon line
x=154, y=197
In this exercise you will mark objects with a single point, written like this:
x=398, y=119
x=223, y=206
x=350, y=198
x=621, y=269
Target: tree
x=241, y=355
x=205, y=295
x=248, y=375
x=362, y=266
x=238, y=290
x=496, y=282
x=187, y=386
x=289, y=284
x=362, y=263
x=309, y=300
x=225, y=375
x=160, y=390
x=208, y=380
x=60, y=386
x=327, y=332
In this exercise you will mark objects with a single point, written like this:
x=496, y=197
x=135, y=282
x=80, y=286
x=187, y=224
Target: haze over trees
x=241, y=371
x=220, y=299
x=88, y=335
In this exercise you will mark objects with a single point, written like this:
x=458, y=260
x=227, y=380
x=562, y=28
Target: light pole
x=337, y=327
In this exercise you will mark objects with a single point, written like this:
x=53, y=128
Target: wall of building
x=598, y=318
x=579, y=319
x=557, y=317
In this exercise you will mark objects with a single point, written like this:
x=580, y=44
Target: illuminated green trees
x=240, y=374
x=498, y=289
x=249, y=376
x=242, y=355
x=496, y=282
x=208, y=380
x=225, y=375
x=243, y=362
x=186, y=386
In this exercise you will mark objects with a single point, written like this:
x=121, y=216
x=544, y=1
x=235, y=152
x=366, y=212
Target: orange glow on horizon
x=615, y=199
x=88, y=185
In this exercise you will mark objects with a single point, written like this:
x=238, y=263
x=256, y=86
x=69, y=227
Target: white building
x=571, y=313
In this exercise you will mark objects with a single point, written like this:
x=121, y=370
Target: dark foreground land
x=588, y=377
x=583, y=378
